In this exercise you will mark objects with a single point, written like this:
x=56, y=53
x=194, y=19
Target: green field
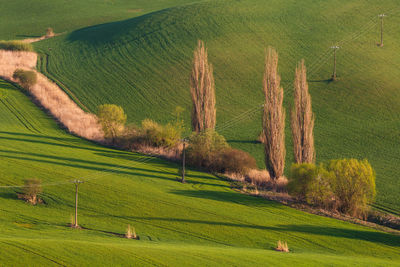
x=138, y=54
x=144, y=63
x=22, y=19
x=202, y=222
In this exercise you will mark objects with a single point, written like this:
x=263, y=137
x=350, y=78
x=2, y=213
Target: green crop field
x=25, y=19
x=138, y=54
x=202, y=222
x=144, y=63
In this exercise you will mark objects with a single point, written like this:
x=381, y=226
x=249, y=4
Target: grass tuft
x=282, y=246
x=130, y=232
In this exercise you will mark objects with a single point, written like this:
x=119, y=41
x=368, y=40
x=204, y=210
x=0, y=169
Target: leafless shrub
x=31, y=190
x=202, y=89
x=282, y=247
x=235, y=176
x=302, y=119
x=232, y=160
x=259, y=178
x=273, y=117
x=130, y=232
x=262, y=180
x=173, y=154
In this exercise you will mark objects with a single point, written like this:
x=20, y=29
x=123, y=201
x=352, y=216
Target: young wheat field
x=138, y=54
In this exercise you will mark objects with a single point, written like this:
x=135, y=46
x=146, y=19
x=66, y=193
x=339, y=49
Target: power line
x=316, y=65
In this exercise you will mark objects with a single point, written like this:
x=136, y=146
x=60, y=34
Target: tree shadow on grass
x=108, y=32
x=326, y=81
x=363, y=235
x=159, y=161
x=228, y=196
x=334, y=232
x=9, y=195
x=100, y=166
x=126, y=155
x=77, y=141
x=244, y=141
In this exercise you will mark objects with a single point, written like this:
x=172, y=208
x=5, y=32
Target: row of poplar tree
x=202, y=88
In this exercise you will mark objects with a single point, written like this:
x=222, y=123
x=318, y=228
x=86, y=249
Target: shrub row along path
x=202, y=222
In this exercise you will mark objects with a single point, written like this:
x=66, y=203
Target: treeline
x=346, y=186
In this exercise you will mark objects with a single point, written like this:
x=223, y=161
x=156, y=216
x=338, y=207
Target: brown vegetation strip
x=51, y=97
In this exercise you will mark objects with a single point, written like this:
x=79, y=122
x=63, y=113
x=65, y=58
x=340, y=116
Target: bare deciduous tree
x=31, y=191
x=202, y=89
x=273, y=117
x=302, y=120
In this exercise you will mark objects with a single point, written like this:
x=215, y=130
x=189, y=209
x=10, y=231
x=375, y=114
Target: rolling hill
x=21, y=19
x=138, y=54
x=202, y=222
x=144, y=63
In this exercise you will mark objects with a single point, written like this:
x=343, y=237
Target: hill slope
x=203, y=222
x=21, y=19
x=144, y=64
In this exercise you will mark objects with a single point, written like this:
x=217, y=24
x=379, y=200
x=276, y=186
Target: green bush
x=112, y=119
x=301, y=177
x=154, y=134
x=353, y=185
x=312, y=184
x=203, y=148
x=15, y=46
x=26, y=78
x=319, y=191
x=346, y=185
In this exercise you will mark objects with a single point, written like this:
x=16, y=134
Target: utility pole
x=76, y=182
x=183, y=160
x=335, y=47
x=381, y=16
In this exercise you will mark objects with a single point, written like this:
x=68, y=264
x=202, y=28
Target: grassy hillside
x=144, y=65
x=202, y=222
x=24, y=19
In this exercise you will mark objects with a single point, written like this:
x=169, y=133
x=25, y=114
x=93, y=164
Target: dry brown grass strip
x=51, y=97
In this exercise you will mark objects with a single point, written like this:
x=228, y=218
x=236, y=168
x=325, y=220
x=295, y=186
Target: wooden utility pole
x=334, y=61
x=381, y=16
x=183, y=160
x=76, y=182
